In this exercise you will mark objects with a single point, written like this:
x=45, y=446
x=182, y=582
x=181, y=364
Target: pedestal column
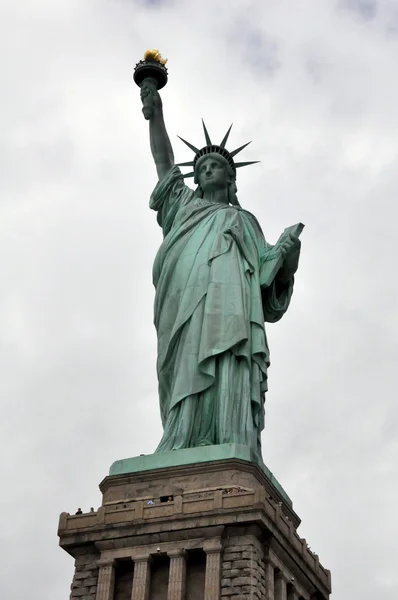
x=213, y=569
x=280, y=586
x=141, y=579
x=106, y=579
x=177, y=572
x=292, y=595
x=269, y=581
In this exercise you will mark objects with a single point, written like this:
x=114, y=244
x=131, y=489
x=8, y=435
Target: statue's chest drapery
x=202, y=231
x=213, y=252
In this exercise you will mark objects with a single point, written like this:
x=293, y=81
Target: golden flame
x=155, y=55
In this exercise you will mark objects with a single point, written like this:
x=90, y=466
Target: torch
x=153, y=73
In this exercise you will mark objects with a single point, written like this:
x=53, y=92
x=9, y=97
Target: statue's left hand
x=290, y=250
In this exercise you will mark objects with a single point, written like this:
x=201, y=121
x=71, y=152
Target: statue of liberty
x=217, y=282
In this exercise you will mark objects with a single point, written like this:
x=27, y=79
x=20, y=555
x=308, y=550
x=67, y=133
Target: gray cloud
x=314, y=87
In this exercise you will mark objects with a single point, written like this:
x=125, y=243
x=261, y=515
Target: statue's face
x=212, y=174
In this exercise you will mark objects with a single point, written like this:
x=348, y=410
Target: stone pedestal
x=211, y=530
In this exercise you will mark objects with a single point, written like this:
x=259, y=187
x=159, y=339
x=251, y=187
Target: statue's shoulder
x=252, y=218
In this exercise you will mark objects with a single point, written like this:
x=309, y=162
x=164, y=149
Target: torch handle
x=148, y=103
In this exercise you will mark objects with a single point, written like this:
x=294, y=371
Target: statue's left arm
x=277, y=296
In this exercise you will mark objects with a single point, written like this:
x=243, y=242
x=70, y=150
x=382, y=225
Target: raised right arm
x=161, y=149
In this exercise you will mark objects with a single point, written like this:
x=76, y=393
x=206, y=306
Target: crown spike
x=245, y=164
x=208, y=140
x=222, y=145
x=193, y=148
x=191, y=174
x=235, y=152
x=185, y=164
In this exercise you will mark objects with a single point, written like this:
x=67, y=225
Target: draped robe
x=209, y=315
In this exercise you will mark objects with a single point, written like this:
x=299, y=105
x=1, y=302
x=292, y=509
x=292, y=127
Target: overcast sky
x=314, y=84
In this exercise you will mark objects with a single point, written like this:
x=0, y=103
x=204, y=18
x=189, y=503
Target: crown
x=217, y=149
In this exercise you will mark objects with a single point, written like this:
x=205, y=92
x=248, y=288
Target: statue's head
x=214, y=167
x=212, y=172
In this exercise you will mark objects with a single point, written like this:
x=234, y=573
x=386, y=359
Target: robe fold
x=209, y=315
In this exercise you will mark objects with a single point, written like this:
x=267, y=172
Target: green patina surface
x=217, y=281
x=190, y=456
